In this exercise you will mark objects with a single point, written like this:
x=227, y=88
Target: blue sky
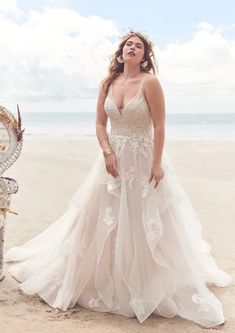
x=165, y=21
x=55, y=53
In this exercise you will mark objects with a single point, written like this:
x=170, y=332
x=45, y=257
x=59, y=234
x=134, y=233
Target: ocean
x=81, y=124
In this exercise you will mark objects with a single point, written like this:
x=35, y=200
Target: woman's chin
x=132, y=62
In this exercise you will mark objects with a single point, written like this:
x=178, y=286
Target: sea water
x=81, y=124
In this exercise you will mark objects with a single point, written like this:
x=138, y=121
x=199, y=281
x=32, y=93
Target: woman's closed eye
x=137, y=45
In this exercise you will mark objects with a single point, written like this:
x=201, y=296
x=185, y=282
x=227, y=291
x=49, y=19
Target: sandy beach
x=50, y=171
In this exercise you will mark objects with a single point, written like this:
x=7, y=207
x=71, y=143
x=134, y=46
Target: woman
x=130, y=242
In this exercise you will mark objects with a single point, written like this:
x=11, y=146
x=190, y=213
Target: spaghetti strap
x=141, y=85
x=139, y=91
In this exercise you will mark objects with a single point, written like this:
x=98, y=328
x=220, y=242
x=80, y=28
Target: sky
x=54, y=54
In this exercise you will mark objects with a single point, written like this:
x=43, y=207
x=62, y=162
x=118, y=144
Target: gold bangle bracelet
x=107, y=151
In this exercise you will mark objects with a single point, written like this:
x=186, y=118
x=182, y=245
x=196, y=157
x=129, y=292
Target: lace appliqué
x=82, y=245
x=108, y=219
x=202, y=302
x=130, y=176
x=94, y=302
x=135, y=117
x=145, y=186
x=137, y=143
x=120, y=142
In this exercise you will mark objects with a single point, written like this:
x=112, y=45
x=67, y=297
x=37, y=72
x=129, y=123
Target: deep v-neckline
x=120, y=110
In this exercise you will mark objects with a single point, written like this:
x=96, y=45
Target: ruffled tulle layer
x=124, y=246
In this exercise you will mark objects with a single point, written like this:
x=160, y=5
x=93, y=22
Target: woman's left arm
x=156, y=102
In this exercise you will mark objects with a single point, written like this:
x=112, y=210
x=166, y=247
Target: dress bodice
x=133, y=119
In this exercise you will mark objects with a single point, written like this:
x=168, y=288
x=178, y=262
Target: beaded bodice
x=133, y=119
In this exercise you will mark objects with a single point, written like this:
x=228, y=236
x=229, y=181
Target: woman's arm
x=101, y=120
x=156, y=102
x=101, y=133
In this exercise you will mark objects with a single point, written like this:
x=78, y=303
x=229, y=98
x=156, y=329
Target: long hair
x=116, y=68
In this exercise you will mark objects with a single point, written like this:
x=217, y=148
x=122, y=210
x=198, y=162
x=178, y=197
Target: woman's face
x=133, y=50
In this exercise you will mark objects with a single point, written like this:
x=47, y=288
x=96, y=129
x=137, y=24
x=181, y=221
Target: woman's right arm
x=101, y=120
x=101, y=133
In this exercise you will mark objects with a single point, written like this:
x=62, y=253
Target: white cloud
x=198, y=74
x=9, y=7
x=54, y=54
x=58, y=56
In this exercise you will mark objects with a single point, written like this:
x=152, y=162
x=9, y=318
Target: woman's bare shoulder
x=150, y=79
x=151, y=82
x=102, y=83
x=101, y=92
x=152, y=87
x=102, y=86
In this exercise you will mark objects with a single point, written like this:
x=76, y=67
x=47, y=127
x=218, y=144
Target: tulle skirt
x=125, y=247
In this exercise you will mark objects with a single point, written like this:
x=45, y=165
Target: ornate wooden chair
x=11, y=141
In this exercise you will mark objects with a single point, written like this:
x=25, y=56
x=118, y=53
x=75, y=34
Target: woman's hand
x=111, y=164
x=157, y=174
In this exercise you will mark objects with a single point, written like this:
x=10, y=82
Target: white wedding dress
x=124, y=246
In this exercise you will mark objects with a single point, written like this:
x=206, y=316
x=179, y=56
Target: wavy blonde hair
x=116, y=68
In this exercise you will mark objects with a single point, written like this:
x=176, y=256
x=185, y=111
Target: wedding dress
x=123, y=246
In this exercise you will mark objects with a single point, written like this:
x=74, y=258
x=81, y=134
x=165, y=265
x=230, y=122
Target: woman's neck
x=130, y=71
